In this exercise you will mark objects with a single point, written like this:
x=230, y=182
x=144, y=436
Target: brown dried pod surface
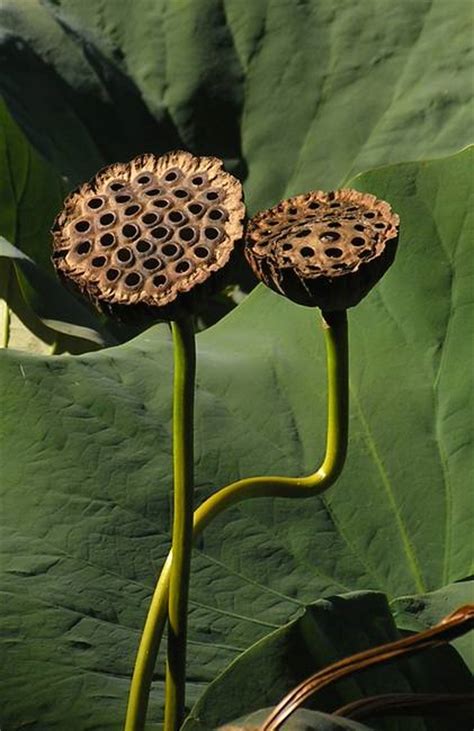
x=321, y=249
x=148, y=231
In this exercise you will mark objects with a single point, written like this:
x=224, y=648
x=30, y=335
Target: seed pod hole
x=329, y=236
x=98, y=261
x=143, y=247
x=359, y=227
x=334, y=224
x=152, y=264
x=82, y=226
x=107, y=219
x=149, y=219
x=335, y=205
x=180, y=193
x=212, y=195
x=171, y=176
x=379, y=225
x=133, y=279
x=143, y=180
x=182, y=267
x=369, y=214
x=287, y=247
x=107, y=239
x=302, y=234
x=333, y=252
x=187, y=233
x=124, y=255
x=152, y=192
x=176, y=217
x=124, y=198
x=159, y=280
x=112, y=274
x=195, y=208
x=216, y=214
x=161, y=203
x=201, y=252
x=358, y=241
x=364, y=254
x=83, y=248
x=130, y=230
x=132, y=210
x=307, y=251
x=313, y=205
x=118, y=185
x=161, y=232
x=170, y=250
x=95, y=203
x=211, y=233
x=197, y=180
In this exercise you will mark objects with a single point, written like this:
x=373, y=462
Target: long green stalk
x=335, y=331
x=182, y=535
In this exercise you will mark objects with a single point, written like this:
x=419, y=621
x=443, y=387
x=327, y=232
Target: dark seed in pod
x=334, y=225
x=358, y=241
x=216, y=214
x=107, y=239
x=182, y=267
x=132, y=279
x=107, y=219
x=98, y=261
x=333, y=252
x=175, y=217
x=112, y=274
x=195, y=208
x=370, y=214
x=117, y=186
x=124, y=255
x=82, y=226
x=152, y=192
x=95, y=203
x=84, y=247
x=152, y=264
x=287, y=247
x=149, y=218
x=307, y=251
x=130, y=230
x=143, y=246
x=161, y=203
x=180, y=193
x=198, y=180
x=186, y=233
x=159, y=280
x=313, y=205
x=131, y=210
x=212, y=195
x=359, y=227
x=169, y=177
x=211, y=233
x=379, y=225
x=170, y=249
x=123, y=198
x=143, y=180
x=160, y=232
x=201, y=252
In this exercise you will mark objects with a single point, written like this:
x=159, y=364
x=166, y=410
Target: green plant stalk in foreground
x=184, y=357
x=335, y=331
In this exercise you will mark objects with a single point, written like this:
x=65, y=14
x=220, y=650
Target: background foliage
x=295, y=96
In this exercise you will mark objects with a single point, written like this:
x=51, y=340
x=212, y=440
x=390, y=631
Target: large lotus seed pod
x=146, y=233
x=321, y=249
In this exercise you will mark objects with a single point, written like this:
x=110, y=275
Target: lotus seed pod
x=321, y=249
x=149, y=233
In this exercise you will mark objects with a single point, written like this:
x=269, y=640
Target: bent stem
x=182, y=536
x=335, y=332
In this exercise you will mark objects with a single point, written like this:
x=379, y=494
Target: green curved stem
x=335, y=331
x=182, y=536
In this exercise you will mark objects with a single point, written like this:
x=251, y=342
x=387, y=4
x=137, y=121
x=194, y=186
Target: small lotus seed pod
x=321, y=249
x=150, y=233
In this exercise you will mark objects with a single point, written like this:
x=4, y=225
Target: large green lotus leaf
x=295, y=95
x=327, y=631
x=421, y=611
x=87, y=471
